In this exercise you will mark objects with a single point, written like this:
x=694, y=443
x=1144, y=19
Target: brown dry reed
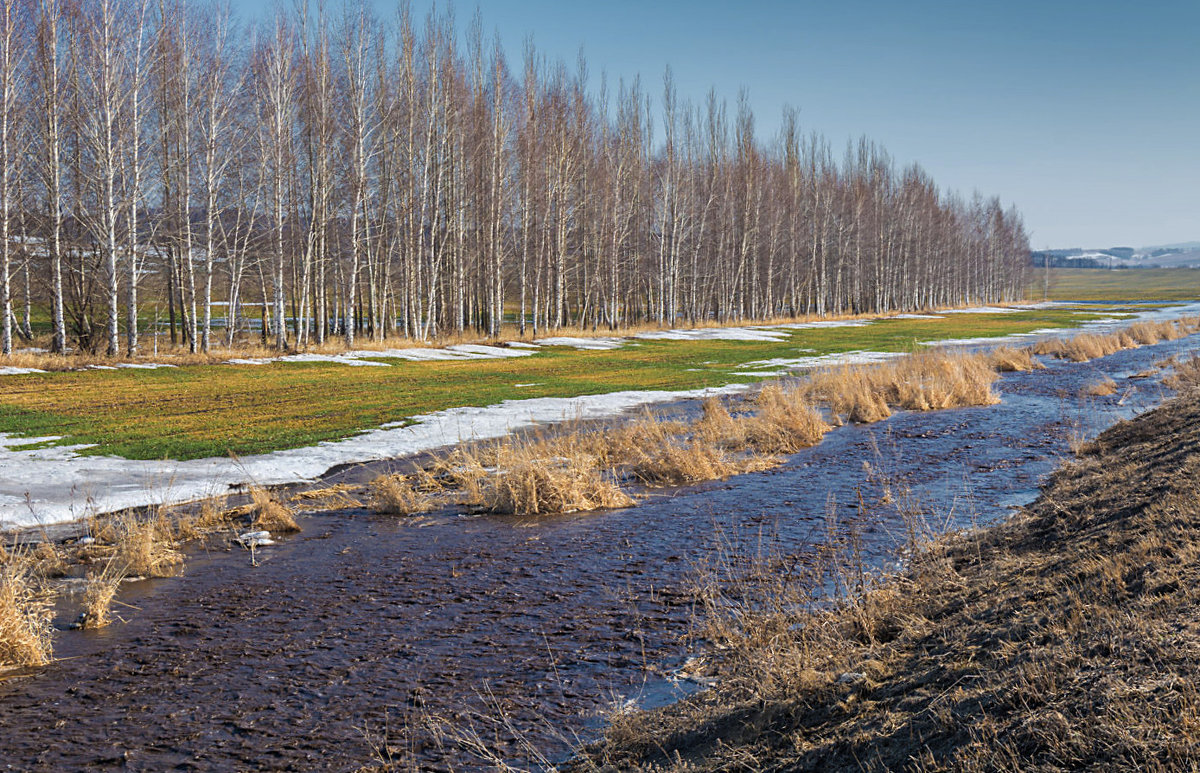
x=1102, y=388
x=398, y=495
x=145, y=547
x=271, y=514
x=531, y=483
x=26, y=619
x=98, y=596
x=1006, y=359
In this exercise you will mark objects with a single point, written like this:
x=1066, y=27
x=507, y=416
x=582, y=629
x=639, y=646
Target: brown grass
x=1105, y=386
x=849, y=391
x=271, y=514
x=1065, y=638
x=98, y=596
x=783, y=423
x=1006, y=359
x=716, y=426
x=1185, y=374
x=529, y=483
x=1089, y=346
x=678, y=462
x=397, y=495
x=923, y=381
x=26, y=629
x=145, y=548
x=339, y=497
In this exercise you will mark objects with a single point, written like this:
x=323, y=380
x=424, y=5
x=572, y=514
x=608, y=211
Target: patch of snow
x=821, y=360
x=591, y=344
x=489, y=352
x=821, y=324
x=244, y=361
x=101, y=367
x=145, y=365
x=983, y=310
x=344, y=359
x=64, y=486
x=915, y=316
x=715, y=334
x=7, y=441
x=15, y=371
x=521, y=345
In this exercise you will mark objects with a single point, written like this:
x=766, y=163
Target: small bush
x=144, y=548
x=98, y=597
x=396, y=495
x=26, y=627
x=529, y=485
x=1006, y=359
x=270, y=514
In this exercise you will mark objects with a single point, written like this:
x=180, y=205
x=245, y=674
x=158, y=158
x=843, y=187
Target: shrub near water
x=271, y=514
x=25, y=616
x=397, y=495
x=784, y=422
x=529, y=483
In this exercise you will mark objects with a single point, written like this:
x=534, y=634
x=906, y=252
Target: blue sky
x=1086, y=115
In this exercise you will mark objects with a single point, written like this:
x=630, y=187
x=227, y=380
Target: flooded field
x=350, y=635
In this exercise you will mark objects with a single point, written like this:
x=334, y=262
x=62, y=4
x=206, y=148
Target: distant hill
x=1182, y=255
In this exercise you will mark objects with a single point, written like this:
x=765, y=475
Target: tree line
x=343, y=175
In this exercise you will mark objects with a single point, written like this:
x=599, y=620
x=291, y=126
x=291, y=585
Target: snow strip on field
x=715, y=334
x=781, y=366
x=591, y=344
x=15, y=371
x=983, y=310
x=62, y=485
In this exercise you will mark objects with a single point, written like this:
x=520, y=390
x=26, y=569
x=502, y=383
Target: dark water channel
x=351, y=633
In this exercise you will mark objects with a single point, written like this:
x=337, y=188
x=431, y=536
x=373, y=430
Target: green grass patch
x=1098, y=284
x=214, y=410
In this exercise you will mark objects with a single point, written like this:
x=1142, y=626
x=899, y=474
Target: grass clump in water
x=26, y=629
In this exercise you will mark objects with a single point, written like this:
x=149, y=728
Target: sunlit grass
x=1098, y=284
x=213, y=410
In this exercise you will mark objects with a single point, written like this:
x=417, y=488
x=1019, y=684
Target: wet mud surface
x=349, y=636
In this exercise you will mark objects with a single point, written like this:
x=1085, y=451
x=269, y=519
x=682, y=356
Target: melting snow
x=15, y=371
x=592, y=344
x=63, y=486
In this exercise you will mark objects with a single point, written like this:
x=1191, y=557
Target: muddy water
x=347, y=637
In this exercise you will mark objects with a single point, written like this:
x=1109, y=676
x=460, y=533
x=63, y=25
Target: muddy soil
x=348, y=637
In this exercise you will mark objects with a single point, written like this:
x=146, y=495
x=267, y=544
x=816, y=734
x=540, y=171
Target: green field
x=212, y=410
x=1098, y=284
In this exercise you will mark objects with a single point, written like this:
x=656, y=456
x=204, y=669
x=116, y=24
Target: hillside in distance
x=1181, y=255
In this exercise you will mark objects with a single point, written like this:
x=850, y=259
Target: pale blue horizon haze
x=1085, y=115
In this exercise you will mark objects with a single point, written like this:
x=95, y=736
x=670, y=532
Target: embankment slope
x=1065, y=638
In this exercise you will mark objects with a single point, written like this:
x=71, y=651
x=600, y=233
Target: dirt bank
x=1065, y=638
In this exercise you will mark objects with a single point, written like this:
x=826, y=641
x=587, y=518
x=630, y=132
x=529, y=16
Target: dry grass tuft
x=1105, y=386
x=850, y=391
x=99, y=595
x=784, y=422
x=339, y=497
x=270, y=514
x=26, y=629
x=938, y=379
x=676, y=463
x=1185, y=374
x=145, y=547
x=716, y=426
x=397, y=495
x=530, y=483
x=1006, y=359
